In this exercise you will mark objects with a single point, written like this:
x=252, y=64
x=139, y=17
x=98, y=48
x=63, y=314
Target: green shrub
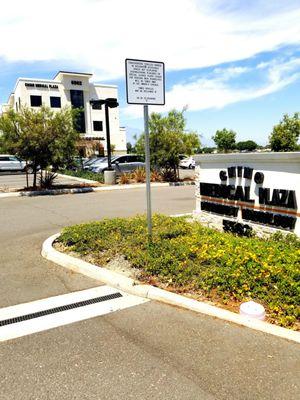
x=85, y=175
x=188, y=256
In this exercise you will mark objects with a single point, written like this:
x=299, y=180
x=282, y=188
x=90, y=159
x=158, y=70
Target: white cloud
x=227, y=86
x=99, y=34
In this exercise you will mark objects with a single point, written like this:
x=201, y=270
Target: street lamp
x=110, y=102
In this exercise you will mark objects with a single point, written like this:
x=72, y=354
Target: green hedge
x=85, y=175
x=190, y=257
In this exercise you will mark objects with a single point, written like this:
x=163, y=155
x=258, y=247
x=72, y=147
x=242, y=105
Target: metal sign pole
x=148, y=172
x=145, y=85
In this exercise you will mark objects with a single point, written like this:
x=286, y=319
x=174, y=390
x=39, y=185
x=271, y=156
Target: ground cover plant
x=190, y=258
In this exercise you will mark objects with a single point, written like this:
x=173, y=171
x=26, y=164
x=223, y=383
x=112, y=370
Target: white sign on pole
x=145, y=82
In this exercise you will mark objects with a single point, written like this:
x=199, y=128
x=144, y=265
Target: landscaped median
x=198, y=262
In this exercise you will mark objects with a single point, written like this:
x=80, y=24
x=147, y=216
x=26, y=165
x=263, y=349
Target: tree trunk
x=27, y=183
x=34, y=176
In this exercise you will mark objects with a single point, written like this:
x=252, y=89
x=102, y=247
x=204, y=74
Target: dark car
x=121, y=164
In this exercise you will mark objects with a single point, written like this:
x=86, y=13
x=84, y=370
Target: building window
x=55, y=102
x=98, y=125
x=77, y=101
x=35, y=101
x=79, y=122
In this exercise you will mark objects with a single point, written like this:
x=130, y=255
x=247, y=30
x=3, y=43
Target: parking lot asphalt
x=17, y=181
x=27, y=222
x=150, y=351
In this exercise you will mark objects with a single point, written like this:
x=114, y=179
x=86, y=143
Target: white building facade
x=74, y=90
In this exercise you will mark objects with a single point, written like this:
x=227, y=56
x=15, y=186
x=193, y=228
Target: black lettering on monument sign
x=230, y=192
x=247, y=195
x=221, y=209
x=267, y=218
x=263, y=195
x=231, y=172
x=280, y=198
x=239, y=193
x=223, y=176
x=236, y=227
x=277, y=197
x=284, y=221
x=248, y=172
x=234, y=172
x=226, y=192
x=284, y=196
x=292, y=201
x=259, y=177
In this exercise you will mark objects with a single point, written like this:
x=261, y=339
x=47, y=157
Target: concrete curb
x=153, y=293
x=54, y=192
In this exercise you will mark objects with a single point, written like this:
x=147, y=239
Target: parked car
x=121, y=164
x=77, y=163
x=182, y=156
x=88, y=163
x=12, y=163
x=188, y=162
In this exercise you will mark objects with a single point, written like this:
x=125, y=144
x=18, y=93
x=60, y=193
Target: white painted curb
x=11, y=194
x=133, y=287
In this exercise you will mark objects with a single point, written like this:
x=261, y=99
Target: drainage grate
x=59, y=309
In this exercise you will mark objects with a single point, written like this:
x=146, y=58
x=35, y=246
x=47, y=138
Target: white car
x=188, y=162
x=11, y=163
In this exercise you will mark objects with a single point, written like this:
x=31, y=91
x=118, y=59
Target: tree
x=225, y=140
x=248, y=145
x=168, y=140
x=43, y=137
x=208, y=150
x=285, y=135
x=2, y=145
x=130, y=148
x=112, y=148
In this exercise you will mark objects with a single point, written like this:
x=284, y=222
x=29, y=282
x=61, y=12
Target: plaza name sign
x=273, y=207
x=40, y=85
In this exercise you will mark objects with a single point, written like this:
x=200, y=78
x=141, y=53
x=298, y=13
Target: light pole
x=110, y=102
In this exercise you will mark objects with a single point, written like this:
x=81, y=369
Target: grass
x=189, y=258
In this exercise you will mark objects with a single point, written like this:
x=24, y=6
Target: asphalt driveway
x=150, y=351
x=17, y=181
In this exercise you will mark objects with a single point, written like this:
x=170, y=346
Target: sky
x=233, y=64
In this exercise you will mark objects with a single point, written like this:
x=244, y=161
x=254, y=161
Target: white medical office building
x=75, y=90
